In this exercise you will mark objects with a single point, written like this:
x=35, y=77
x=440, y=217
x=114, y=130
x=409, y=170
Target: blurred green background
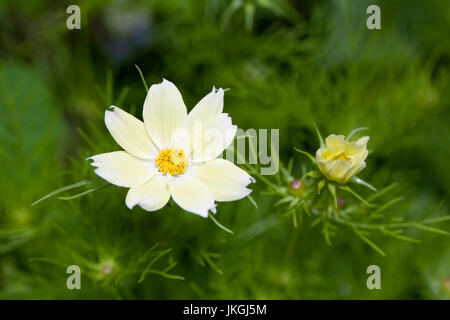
x=287, y=64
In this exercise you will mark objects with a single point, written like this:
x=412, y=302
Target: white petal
x=150, y=196
x=226, y=181
x=164, y=113
x=207, y=108
x=210, y=138
x=122, y=169
x=211, y=131
x=130, y=133
x=363, y=143
x=191, y=194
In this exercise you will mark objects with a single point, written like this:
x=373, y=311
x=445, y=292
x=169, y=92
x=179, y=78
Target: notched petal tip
x=110, y=111
x=334, y=140
x=219, y=91
x=363, y=141
x=166, y=82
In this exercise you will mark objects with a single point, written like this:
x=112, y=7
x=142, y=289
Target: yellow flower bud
x=340, y=160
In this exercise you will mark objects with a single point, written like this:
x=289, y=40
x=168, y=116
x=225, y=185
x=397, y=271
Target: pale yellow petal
x=122, y=169
x=207, y=108
x=150, y=196
x=191, y=194
x=226, y=181
x=210, y=138
x=130, y=133
x=164, y=113
x=363, y=141
x=334, y=141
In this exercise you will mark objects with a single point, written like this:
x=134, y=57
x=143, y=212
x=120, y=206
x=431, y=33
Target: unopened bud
x=296, y=187
x=107, y=269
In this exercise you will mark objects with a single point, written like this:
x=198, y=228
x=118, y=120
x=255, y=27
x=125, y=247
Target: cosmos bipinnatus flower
x=173, y=154
x=340, y=160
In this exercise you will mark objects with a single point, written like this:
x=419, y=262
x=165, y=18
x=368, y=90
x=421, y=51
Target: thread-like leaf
x=219, y=224
x=357, y=180
x=249, y=197
x=319, y=135
x=69, y=187
x=142, y=77
x=348, y=189
x=355, y=131
x=313, y=160
x=78, y=195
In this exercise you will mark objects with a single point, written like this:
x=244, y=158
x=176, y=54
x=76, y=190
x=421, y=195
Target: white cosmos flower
x=173, y=154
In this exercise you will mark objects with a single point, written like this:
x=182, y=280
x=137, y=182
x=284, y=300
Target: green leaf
x=313, y=174
x=431, y=229
x=332, y=189
x=388, y=204
x=316, y=222
x=249, y=11
x=78, y=195
x=249, y=197
x=348, y=189
x=381, y=192
x=354, y=131
x=229, y=12
x=320, y=185
x=151, y=263
x=327, y=232
x=283, y=200
x=163, y=274
x=305, y=207
x=400, y=236
x=313, y=160
x=142, y=77
x=69, y=187
x=357, y=180
x=432, y=211
x=207, y=257
x=319, y=135
x=436, y=220
x=369, y=242
x=219, y=224
x=272, y=6
x=294, y=219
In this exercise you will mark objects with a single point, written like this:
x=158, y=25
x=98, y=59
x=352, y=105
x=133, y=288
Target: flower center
x=342, y=157
x=172, y=161
x=336, y=155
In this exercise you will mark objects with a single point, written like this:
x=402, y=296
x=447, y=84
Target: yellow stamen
x=172, y=161
x=342, y=157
